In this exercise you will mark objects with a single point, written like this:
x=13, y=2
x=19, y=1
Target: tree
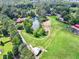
x=14, y=35
x=73, y=5
x=4, y=24
x=25, y=53
x=15, y=50
x=42, y=7
x=41, y=12
x=72, y=18
x=10, y=55
x=75, y=17
x=28, y=25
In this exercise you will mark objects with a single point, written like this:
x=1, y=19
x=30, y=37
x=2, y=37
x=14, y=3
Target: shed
x=37, y=51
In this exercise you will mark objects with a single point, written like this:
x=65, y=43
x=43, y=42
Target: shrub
x=39, y=32
x=16, y=40
x=20, y=27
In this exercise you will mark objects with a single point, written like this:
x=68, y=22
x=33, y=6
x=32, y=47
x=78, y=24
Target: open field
x=60, y=45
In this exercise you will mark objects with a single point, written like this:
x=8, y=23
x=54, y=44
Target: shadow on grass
x=3, y=43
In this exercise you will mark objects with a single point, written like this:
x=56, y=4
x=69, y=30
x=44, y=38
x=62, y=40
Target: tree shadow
x=9, y=55
x=3, y=43
x=7, y=42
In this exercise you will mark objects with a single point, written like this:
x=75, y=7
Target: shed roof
x=36, y=50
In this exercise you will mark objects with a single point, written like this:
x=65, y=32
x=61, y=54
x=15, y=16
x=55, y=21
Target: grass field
x=6, y=48
x=60, y=45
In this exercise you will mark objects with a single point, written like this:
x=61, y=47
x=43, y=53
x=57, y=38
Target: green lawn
x=6, y=48
x=60, y=45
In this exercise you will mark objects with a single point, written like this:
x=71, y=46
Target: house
x=75, y=28
x=20, y=20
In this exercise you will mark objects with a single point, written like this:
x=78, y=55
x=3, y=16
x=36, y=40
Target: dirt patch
x=47, y=26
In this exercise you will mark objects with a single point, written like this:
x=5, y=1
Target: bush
x=39, y=32
x=5, y=32
x=66, y=17
x=20, y=27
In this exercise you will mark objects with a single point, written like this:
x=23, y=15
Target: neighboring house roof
x=20, y=20
x=46, y=25
x=61, y=19
x=76, y=26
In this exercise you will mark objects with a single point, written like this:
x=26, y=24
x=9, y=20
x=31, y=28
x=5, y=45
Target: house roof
x=36, y=50
x=19, y=20
x=76, y=26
